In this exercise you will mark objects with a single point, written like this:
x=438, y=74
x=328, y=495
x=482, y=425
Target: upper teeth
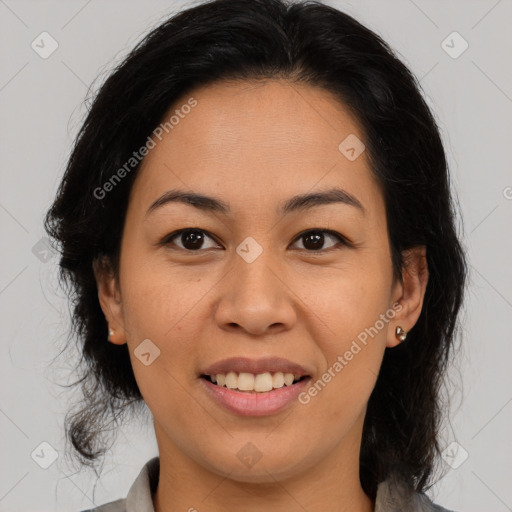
x=249, y=382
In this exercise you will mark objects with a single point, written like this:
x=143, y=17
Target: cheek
x=160, y=305
x=353, y=356
x=356, y=316
x=352, y=301
x=160, y=299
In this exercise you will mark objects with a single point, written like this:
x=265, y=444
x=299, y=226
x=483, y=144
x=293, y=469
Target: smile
x=250, y=402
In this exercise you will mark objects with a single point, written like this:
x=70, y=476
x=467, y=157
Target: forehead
x=273, y=114
x=253, y=138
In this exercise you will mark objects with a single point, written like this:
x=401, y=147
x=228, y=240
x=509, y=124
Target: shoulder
x=393, y=495
x=424, y=504
x=139, y=497
x=113, y=506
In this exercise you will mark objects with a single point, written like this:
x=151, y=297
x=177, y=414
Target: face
x=311, y=284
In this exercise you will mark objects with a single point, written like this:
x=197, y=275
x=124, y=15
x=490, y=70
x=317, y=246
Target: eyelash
x=342, y=240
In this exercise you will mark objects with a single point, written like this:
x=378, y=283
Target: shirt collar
x=140, y=495
x=391, y=495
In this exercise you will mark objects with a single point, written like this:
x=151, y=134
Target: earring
x=400, y=333
x=110, y=334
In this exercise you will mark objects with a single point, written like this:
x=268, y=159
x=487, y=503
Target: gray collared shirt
x=139, y=498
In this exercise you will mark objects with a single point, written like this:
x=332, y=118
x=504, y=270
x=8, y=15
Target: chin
x=263, y=470
x=258, y=475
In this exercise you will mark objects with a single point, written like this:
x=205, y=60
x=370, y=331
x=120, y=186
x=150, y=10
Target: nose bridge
x=255, y=269
x=255, y=298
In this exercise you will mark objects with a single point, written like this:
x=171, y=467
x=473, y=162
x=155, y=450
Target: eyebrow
x=296, y=203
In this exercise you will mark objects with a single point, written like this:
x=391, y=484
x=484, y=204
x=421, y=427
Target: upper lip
x=256, y=366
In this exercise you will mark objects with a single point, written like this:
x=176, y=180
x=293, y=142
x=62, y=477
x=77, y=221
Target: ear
x=408, y=294
x=110, y=299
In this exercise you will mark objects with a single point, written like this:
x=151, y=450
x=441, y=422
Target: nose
x=255, y=298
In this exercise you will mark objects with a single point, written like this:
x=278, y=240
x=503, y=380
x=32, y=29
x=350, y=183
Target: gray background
x=41, y=101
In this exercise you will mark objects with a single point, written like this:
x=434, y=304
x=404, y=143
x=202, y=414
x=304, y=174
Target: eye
x=193, y=239
x=315, y=238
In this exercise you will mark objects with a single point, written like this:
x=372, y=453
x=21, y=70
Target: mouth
x=250, y=402
x=250, y=387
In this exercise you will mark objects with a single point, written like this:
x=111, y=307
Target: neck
x=331, y=484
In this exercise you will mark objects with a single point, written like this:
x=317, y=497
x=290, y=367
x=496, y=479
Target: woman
x=257, y=226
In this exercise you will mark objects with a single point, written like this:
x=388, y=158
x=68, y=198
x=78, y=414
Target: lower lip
x=255, y=404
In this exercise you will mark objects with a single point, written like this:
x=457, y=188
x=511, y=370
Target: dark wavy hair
x=303, y=42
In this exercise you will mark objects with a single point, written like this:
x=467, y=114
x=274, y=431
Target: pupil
x=317, y=238
x=193, y=239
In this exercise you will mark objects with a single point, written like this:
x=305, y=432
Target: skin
x=254, y=145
